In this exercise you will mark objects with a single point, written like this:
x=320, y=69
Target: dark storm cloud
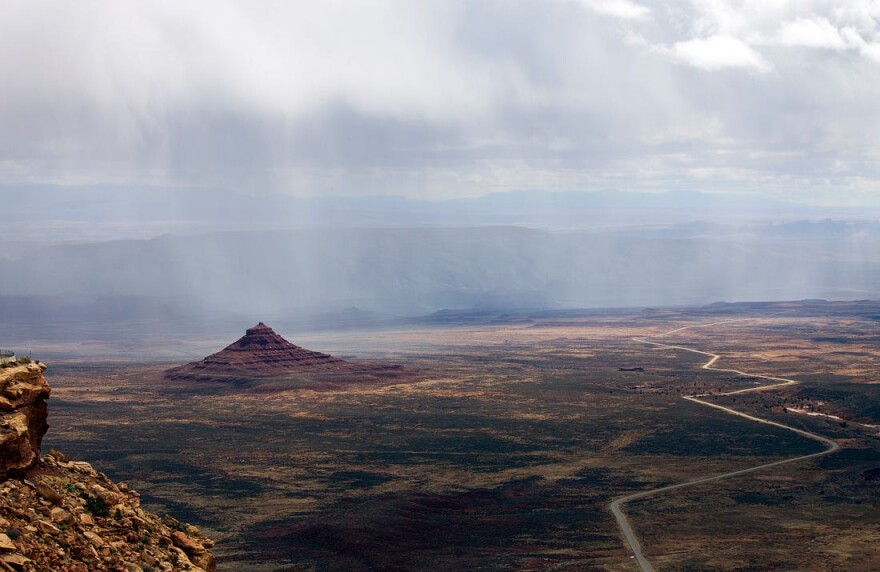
x=445, y=98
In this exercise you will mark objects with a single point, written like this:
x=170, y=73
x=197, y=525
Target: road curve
x=617, y=504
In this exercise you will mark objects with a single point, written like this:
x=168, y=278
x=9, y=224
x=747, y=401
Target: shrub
x=96, y=506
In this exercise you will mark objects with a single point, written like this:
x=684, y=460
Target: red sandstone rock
x=262, y=353
x=23, y=412
x=194, y=550
x=45, y=502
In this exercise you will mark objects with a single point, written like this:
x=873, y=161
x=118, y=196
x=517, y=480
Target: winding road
x=616, y=505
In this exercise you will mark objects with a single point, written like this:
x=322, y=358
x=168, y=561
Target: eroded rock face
x=67, y=517
x=63, y=515
x=263, y=353
x=23, y=413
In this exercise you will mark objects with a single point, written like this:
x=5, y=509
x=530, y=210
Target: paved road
x=617, y=504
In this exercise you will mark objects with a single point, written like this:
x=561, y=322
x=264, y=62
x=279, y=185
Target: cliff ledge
x=63, y=515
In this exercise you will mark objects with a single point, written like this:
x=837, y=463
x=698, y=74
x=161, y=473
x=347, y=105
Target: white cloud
x=716, y=53
x=168, y=91
x=863, y=15
x=624, y=9
x=871, y=51
x=840, y=25
x=812, y=32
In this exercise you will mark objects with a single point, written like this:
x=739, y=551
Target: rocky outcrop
x=67, y=517
x=23, y=412
x=63, y=515
x=263, y=353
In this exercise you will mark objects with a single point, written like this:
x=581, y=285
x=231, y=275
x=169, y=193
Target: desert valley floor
x=505, y=442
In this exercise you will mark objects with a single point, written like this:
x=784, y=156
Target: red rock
x=263, y=353
x=23, y=413
x=194, y=550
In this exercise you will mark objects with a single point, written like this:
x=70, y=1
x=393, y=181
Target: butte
x=263, y=354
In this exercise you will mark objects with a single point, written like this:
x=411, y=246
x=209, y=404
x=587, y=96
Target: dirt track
x=617, y=504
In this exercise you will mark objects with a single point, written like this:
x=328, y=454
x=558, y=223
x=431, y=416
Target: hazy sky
x=446, y=98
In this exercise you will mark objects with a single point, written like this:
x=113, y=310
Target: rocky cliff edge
x=63, y=515
x=23, y=412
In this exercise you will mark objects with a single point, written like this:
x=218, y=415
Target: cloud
x=624, y=9
x=812, y=32
x=871, y=51
x=855, y=23
x=442, y=97
x=716, y=53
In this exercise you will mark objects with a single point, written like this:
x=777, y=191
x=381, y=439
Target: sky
x=444, y=99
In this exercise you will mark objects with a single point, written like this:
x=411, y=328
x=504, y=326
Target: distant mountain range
x=40, y=213
x=413, y=271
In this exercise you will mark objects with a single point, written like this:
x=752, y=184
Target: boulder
x=194, y=550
